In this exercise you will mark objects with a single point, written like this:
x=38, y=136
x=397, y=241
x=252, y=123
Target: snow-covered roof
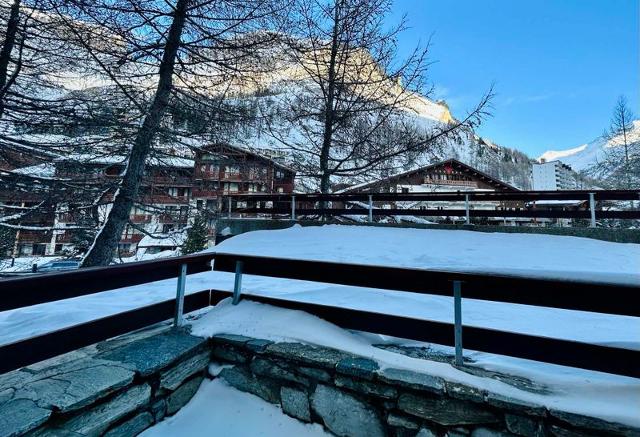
x=172, y=240
x=105, y=159
x=46, y=170
x=427, y=167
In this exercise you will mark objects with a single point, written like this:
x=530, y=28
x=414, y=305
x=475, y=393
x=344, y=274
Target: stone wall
x=352, y=396
x=115, y=388
x=122, y=386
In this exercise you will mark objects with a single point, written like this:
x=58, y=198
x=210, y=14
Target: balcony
x=167, y=219
x=140, y=218
x=164, y=199
x=173, y=181
x=449, y=182
x=212, y=175
x=204, y=193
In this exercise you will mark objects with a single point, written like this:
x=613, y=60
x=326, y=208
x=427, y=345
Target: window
x=280, y=190
x=39, y=249
x=231, y=170
x=279, y=174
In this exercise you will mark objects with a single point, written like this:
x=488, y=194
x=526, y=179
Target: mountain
x=254, y=114
x=265, y=100
x=585, y=157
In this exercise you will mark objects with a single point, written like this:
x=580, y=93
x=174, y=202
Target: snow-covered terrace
x=601, y=395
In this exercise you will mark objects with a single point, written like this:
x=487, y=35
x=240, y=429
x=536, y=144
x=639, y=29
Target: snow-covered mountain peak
x=587, y=155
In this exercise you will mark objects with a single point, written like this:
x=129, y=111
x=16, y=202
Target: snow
x=232, y=414
x=533, y=255
x=587, y=155
x=609, y=397
x=523, y=254
x=162, y=240
x=41, y=171
x=24, y=263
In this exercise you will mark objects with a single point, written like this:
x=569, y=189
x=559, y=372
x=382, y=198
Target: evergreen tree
x=196, y=236
x=7, y=239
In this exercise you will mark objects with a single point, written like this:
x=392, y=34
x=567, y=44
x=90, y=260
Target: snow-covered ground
x=545, y=255
x=227, y=408
x=523, y=254
x=24, y=263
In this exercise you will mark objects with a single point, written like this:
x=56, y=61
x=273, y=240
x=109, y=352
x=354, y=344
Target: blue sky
x=558, y=66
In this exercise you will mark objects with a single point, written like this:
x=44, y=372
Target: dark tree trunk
x=106, y=242
x=325, y=171
x=7, y=47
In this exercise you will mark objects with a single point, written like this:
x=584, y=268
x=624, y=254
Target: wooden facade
x=449, y=175
x=171, y=192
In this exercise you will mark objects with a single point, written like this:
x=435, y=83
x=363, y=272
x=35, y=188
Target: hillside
x=254, y=113
x=264, y=100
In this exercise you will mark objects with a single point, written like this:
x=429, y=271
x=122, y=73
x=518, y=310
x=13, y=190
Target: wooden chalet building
x=222, y=170
x=448, y=175
x=173, y=190
x=445, y=176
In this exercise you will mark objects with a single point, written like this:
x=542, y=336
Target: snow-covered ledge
x=356, y=383
x=354, y=396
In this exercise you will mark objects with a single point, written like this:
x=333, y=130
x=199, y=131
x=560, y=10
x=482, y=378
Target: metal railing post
x=466, y=208
x=182, y=279
x=370, y=208
x=229, y=207
x=592, y=207
x=237, y=284
x=457, y=310
x=293, y=207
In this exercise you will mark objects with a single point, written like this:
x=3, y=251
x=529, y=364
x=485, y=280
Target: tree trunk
x=327, y=134
x=7, y=47
x=101, y=253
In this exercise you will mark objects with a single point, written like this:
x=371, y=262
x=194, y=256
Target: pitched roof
x=454, y=162
x=249, y=151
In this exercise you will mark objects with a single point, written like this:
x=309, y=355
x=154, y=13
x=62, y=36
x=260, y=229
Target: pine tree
x=7, y=239
x=196, y=236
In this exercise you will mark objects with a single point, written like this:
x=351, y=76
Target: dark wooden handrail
x=42, y=288
x=617, y=299
x=528, y=196
x=602, y=297
x=432, y=212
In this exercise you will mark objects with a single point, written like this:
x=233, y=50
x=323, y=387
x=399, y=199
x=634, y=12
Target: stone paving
x=118, y=387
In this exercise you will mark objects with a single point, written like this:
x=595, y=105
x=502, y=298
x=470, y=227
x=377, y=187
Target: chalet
x=222, y=169
x=173, y=189
x=448, y=175
x=445, y=176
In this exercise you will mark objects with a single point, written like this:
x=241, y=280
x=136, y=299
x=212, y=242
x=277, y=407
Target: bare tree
x=186, y=52
x=619, y=166
x=352, y=115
